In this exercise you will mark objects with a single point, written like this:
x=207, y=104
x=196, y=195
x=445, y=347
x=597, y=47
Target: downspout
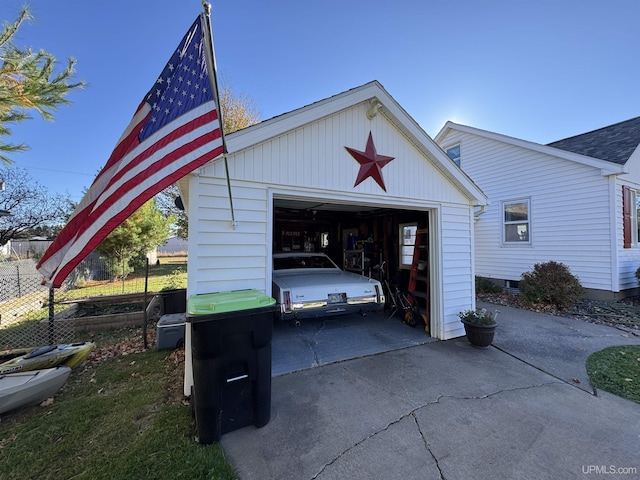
x=477, y=213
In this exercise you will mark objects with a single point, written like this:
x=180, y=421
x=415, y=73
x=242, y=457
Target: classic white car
x=307, y=285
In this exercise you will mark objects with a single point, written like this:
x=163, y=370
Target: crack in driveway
x=312, y=343
x=412, y=414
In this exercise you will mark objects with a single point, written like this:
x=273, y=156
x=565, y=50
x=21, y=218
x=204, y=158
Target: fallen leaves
x=133, y=343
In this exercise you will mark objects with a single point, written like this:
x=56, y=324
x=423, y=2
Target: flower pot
x=479, y=335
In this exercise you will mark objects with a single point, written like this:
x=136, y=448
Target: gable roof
x=614, y=143
x=607, y=168
x=380, y=101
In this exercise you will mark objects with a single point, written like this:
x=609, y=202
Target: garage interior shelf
x=360, y=261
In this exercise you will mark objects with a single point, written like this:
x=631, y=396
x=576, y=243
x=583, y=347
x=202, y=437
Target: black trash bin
x=231, y=360
x=174, y=301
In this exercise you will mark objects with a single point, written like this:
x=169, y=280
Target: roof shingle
x=614, y=143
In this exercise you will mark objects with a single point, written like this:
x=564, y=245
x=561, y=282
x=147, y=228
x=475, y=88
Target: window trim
x=630, y=217
x=456, y=160
x=504, y=223
x=635, y=224
x=401, y=244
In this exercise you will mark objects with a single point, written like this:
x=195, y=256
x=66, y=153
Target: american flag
x=174, y=131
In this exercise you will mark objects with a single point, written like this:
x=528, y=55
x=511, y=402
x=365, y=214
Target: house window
x=630, y=217
x=407, y=242
x=636, y=217
x=516, y=221
x=454, y=154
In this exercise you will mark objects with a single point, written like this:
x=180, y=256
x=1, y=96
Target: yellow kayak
x=25, y=359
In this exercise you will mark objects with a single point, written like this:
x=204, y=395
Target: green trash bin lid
x=221, y=302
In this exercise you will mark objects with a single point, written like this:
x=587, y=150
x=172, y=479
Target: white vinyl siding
x=309, y=161
x=222, y=258
x=313, y=157
x=571, y=221
x=457, y=254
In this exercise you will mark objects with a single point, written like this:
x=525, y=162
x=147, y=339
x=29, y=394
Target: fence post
x=18, y=279
x=146, y=320
x=51, y=316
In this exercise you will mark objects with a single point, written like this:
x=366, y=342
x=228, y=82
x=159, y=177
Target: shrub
x=485, y=285
x=638, y=274
x=550, y=283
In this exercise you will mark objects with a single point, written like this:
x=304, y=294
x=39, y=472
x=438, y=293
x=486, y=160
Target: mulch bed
x=623, y=313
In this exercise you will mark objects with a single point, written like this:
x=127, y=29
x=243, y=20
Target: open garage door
x=359, y=239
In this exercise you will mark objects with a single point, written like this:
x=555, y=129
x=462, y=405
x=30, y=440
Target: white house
x=294, y=185
x=574, y=201
x=173, y=246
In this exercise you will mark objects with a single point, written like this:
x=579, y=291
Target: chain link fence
x=95, y=296
x=23, y=302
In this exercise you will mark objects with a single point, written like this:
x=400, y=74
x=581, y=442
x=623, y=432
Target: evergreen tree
x=28, y=81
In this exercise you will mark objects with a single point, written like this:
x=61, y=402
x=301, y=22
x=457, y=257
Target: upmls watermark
x=608, y=470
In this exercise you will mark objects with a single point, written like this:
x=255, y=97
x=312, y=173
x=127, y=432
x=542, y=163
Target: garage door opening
x=359, y=239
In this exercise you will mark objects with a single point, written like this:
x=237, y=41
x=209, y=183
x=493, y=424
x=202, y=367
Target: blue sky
x=540, y=70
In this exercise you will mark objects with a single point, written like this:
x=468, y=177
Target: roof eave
x=607, y=168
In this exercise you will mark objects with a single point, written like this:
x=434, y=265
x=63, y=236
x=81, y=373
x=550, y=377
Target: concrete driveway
x=447, y=410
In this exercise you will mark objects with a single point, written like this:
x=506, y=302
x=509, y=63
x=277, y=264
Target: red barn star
x=370, y=163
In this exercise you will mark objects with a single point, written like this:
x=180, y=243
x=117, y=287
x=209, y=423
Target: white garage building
x=295, y=185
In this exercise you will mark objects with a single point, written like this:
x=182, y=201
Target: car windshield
x=303, y=261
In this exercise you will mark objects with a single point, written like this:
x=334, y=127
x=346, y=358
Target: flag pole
x=211, y=67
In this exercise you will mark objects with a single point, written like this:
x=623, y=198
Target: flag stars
x=182, y=85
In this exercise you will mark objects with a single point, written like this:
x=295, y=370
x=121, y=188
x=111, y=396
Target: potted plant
x=479, y=326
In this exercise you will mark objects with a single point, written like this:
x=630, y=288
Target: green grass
x=123, y=417
x=163, y=276
x=616, y=370
x=170, y=274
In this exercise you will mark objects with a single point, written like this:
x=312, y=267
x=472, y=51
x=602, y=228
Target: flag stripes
x=173, y=132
